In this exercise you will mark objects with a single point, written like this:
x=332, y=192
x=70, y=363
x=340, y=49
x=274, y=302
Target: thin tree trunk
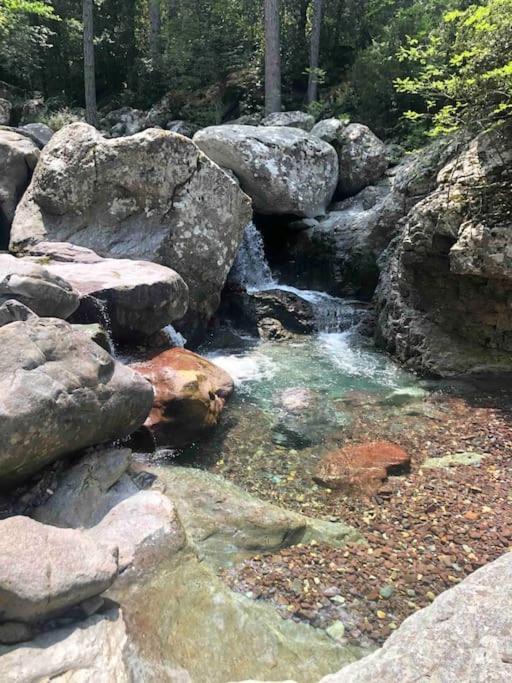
x=272, y=57
x=91, y=112
x=155, y=25
x=314, y=55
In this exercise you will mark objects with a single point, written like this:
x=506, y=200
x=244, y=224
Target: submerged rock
x=92, y=651
x=362, y=467
x=290, y=119
x=18, y=158
x=233, y=637
x=454, y=459
x=463, y=636
x=225, y=523
x=44, y=570
x=190, y=394
x=60, y=392
x=140, y=297
x=45, y=293
x=284, y=170
x=152, y=196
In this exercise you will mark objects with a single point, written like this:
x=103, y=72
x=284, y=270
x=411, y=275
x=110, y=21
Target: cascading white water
x=103, y=315
x=252, y=271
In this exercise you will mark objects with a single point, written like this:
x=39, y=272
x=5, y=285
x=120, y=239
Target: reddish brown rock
x=363, y=467
x=190, y=394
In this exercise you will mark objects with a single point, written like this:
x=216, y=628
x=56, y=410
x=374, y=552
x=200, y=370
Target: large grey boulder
x=44, y=570
x=362, y=159
x=45, y=293
x=152, y=196
x=39, y=133
x=226, y=523
x=442, y=298
x=284, y=170
x=92, y=651
x=140, y=297
x=5, y=112
x=60, y=392
x=290, y=119
x=18, y=158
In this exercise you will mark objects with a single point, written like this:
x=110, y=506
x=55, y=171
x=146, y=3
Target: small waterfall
x=251, y=269
x=175, y=338
x=101, y=315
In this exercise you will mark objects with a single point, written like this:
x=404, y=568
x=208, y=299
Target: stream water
x=295, y=399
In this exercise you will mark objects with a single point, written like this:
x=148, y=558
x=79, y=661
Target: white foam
x=247, y=368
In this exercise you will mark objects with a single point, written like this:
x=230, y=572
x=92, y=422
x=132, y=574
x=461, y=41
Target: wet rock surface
x=190, y=394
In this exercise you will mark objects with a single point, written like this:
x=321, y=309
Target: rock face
x=190, y=394
x=226, y=523
x=44, y=570
x=140, y=297
x=45, y=293
x=60, y=392
x=284, y=170
x=153, y=196
x=342, y=253
x=90, y=652
x=463, y=636
x=290, y=119
x=362, y=468
x=5, y=112
x=18, y=158
x=362, y=158
x=443, y=295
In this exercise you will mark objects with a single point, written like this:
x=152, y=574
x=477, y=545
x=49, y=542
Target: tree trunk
x=272, y=57
x=155, y=24
x=314, y=55
x=91, y=112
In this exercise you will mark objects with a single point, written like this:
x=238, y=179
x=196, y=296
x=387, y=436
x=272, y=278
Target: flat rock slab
x=141, y=297
x=60, y=392
x=47, y=294
x=44, y=570
x=454, y=459
x=284, y=170
x=89, y=652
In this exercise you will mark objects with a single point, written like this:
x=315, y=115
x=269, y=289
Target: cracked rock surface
x=152, y=196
